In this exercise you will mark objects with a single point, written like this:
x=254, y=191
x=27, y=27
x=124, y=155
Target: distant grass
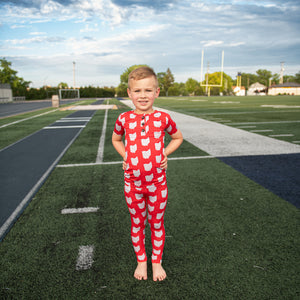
x=228, y=238
x=242, y=110
x=210, y=105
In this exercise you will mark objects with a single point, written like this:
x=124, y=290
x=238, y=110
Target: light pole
x=74, y=86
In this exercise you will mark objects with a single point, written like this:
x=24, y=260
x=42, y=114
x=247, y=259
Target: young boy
x=144, y=164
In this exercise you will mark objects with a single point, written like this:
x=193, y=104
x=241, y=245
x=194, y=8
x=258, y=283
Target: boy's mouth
x=143, y=101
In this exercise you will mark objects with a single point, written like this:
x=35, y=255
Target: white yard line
x=100, y=153
x=82, y=210
x=279, y=135
x=85, y=257
x=270, y=122
x=262, y=130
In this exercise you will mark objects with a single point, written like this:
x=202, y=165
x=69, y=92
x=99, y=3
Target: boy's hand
x=124, y=165
x=164, y=162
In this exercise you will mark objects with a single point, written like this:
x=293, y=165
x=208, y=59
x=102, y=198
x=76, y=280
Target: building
x=287, y=88
x=5, y=92
x=257, y=89
x=239, y=90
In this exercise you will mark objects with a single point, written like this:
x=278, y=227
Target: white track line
x=48, y=112
x=71, y=120
x=100, y=153
x=24, y=202
x=85, y=257
x=83, y=210
x=64, y=127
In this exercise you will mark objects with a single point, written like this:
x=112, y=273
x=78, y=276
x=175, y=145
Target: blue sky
x=42, y=38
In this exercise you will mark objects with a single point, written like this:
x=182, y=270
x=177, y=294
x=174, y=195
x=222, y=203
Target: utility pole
x=281, y=73
x=74, y=85
x=207, y=87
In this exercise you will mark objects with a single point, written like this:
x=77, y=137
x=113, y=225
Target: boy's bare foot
x=141, y=271
x=158, y=272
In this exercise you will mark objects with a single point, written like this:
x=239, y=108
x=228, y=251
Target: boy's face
x=143, y=93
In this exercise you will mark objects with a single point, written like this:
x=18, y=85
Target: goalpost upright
x=75, y=91
x=207, y=85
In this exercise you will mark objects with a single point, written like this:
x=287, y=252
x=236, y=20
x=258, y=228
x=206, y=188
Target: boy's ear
x=157, y=92
x=128, y=92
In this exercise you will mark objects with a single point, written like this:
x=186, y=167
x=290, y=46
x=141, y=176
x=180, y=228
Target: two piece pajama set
x=145, y=185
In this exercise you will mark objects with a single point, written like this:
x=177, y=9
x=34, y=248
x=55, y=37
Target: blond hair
x=141, y=73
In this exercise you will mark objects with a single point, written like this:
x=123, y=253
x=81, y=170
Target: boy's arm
x=176, y=141
x=119, y=146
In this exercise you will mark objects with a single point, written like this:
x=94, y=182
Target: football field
x=231, y=232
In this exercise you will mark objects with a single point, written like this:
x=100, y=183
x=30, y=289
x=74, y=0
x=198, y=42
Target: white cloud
x=117, y=34
x=212, y=43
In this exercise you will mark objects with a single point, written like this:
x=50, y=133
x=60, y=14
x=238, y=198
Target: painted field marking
x=100, y=153
x=244, y=127
x=48, y=112
x=82, y=210
x=64, y=127
x=296, y=142
x=279, y=135
x=71, y=120
x=85, y=257
x=25, y=201
x=271, y=122
x=263, y=130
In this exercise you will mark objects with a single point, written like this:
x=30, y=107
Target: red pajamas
x=145, y=187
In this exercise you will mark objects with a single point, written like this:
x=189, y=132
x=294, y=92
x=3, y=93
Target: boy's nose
x=143, y=94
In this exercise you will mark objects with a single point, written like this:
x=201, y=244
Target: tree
x=122, y=87
x=191, y=86
x=168, y=80
x=125, y=74
x=264, y=76
x=215, y=79
x=8, y=75
x=165, y=81
x=62, y=85
x=297, y=77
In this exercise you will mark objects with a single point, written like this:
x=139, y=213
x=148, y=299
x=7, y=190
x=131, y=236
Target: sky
x=49, y=42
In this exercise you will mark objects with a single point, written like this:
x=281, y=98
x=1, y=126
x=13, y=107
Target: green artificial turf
x=227, y=237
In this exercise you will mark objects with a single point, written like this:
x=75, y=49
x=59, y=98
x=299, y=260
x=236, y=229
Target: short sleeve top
x=144, y=142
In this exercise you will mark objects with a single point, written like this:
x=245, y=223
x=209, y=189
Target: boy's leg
x=156, y=210
x=137, y=209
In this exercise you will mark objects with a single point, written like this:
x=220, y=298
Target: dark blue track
x=30, y=161
x=278, y=173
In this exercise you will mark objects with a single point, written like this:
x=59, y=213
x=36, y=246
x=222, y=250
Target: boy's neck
x=139, y=112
